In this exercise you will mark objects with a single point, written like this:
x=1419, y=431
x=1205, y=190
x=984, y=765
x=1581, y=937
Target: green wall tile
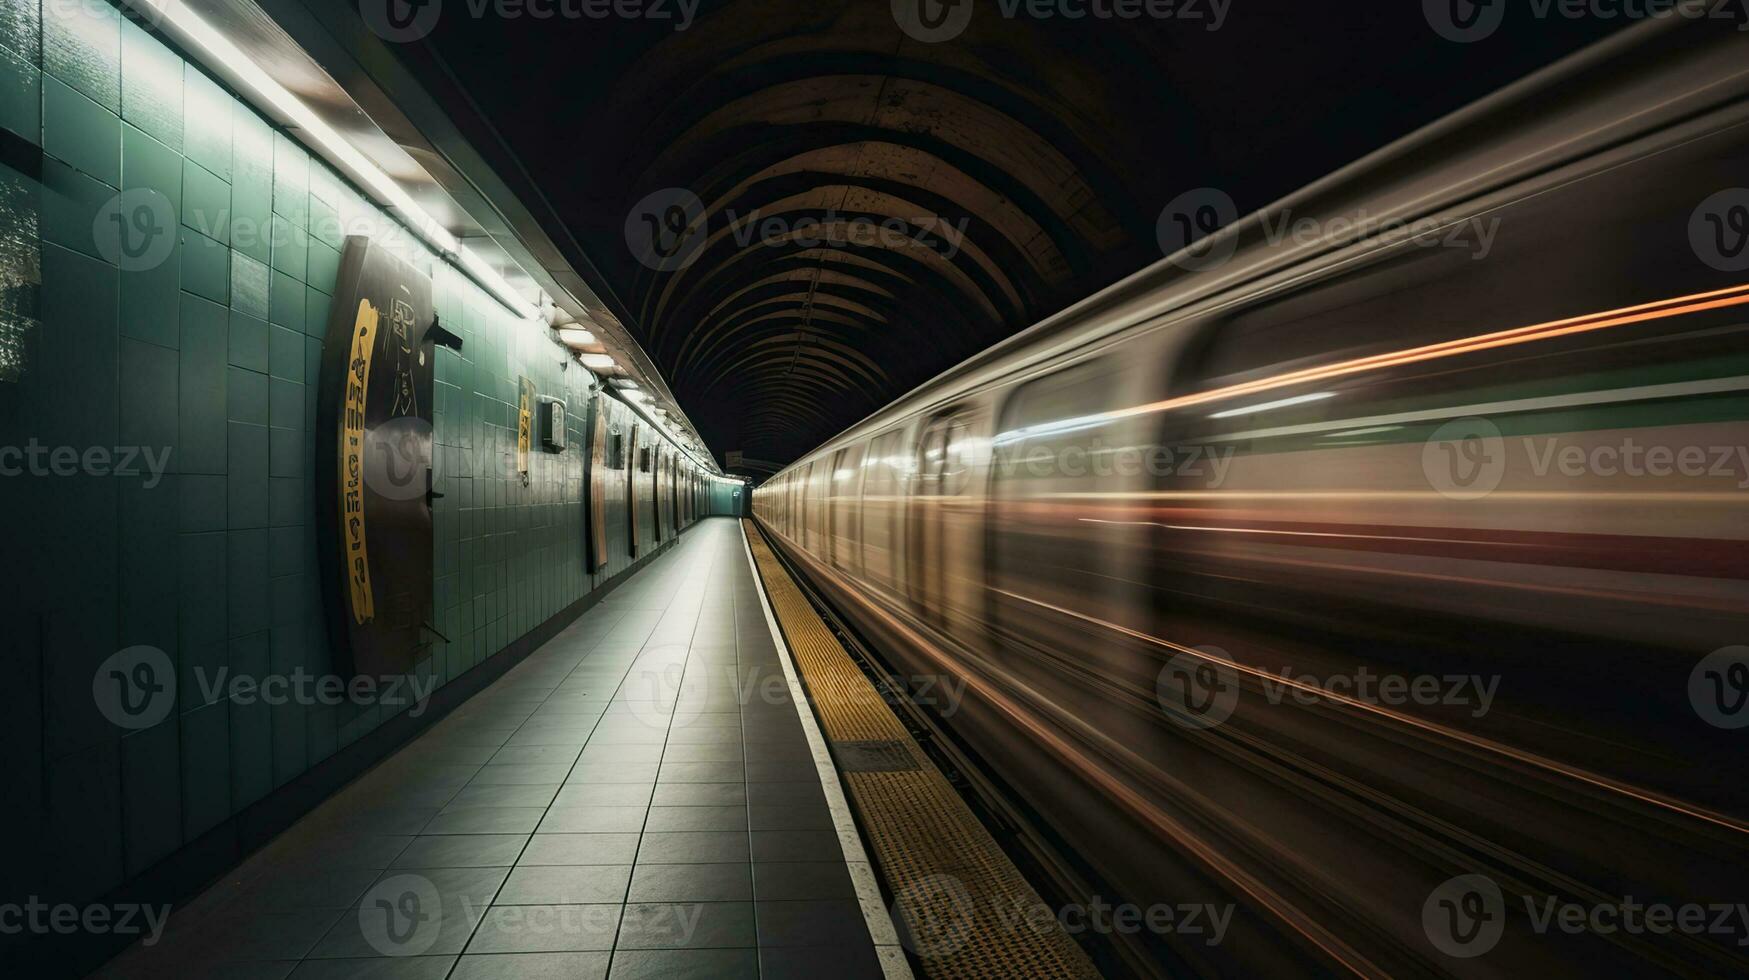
x=285, y=403
x=82, y=47
x=288, y=354
x=20, y=96
x=81, y=133
x=206, y=202
x=316, y=307
x=291, y=247
x=201, y=503
x=285, y=452
x=206, y=768
x=324, y=267
x=200, y=621
x=324, y=222
x=207, y=121
x=147, y=398
x=291, y=181
x=246, y=593
x=285, y=502
x=151, y=85
x=151, y=794
x=201, y=387
x=248, y=342
x=245, y=396
x=206, y=267
x=246, y=499
x=21, y=28
x=249, y=285
x=286, y=302
x=151, y=300
x=252, y=186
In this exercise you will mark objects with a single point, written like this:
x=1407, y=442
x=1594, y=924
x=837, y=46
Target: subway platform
x=639, y=798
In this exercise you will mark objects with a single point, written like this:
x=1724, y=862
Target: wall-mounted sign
x=524, y=426
x=373, y=461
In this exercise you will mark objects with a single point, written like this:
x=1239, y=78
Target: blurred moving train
x=1481, y=439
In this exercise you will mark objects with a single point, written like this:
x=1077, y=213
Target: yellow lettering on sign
x=524, y=430
x=355, y=551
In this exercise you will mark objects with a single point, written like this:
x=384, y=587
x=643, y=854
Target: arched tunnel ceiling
x=802, y=211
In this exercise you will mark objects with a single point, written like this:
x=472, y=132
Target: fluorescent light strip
x=220, y=50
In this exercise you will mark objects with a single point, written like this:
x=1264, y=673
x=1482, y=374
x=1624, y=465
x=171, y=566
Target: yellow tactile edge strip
x=964, y=908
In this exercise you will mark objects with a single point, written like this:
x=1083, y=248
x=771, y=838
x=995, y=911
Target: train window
x=845, y=493
x=883, y=496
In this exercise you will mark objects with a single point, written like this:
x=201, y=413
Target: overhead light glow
x=222, y=52
x=576, y=336
x=599, y=362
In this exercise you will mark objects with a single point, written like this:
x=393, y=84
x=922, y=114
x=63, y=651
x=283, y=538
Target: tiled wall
x=212, y=355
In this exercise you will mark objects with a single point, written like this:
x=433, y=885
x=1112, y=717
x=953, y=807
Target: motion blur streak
x=1324, y=694
x=1416, y=603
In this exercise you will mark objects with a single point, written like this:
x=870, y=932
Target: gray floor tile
x=811, y=923
x=673, y=818
x=486, y=820
x=687, y=925
x=462, y=851
x=546, y=929
x=796, y=845
x=605, y=794
x=566, y=885
x=693, y=847
x=701, y=794
x=593, y=820
x=802, y=881
x=856, y=962
x=581, y=849
x=692, y=883
x=532, y=966
x=400, y=968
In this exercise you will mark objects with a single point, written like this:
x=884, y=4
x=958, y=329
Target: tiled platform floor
x=636, y=799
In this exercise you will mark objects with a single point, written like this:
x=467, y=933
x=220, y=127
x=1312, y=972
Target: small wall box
x=552, y=426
